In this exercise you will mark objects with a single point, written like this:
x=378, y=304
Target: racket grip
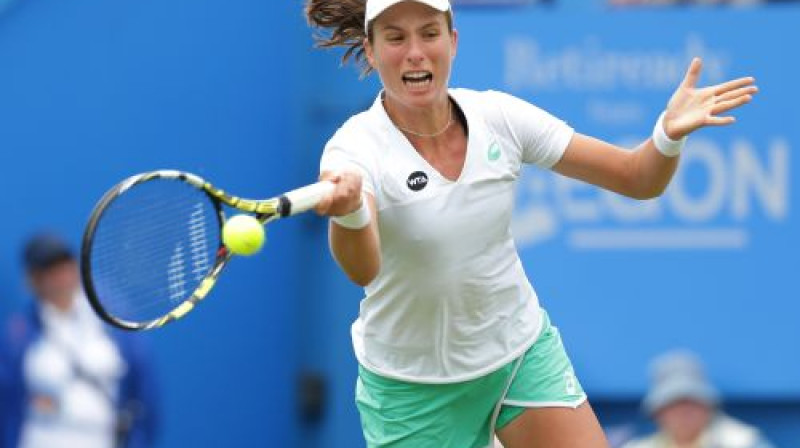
x=305, y=198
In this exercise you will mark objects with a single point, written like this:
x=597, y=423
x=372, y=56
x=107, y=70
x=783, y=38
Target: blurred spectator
x=66, y=380
x=685, y=407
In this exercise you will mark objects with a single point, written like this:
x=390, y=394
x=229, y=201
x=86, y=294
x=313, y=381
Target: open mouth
x=417, y=79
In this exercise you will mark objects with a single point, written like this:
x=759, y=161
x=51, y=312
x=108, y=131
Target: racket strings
x=153, y=246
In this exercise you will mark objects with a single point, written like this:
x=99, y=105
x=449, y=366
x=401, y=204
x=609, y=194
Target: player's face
x=412, y=49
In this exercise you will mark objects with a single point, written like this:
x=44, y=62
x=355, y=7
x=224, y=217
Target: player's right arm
x=357, y=251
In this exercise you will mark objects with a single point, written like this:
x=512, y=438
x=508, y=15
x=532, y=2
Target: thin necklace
x=434, y=134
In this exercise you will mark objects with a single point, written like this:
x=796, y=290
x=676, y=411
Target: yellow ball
x=243, y=235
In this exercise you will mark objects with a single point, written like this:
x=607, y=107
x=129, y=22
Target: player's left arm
x=645, y=172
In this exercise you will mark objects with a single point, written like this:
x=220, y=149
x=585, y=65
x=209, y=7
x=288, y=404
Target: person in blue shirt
x=67, y=380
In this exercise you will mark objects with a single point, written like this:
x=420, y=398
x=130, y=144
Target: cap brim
x=375, y=8
x=679, y=389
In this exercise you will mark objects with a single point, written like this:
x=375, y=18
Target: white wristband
x=357, y=219
x=664, y=144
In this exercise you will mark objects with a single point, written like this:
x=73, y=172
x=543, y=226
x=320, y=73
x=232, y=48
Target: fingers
x=332, y=176
x=731, y=99
x=737, y=93
x=720, y=121
x=323, y=205
x=693, y=73
x=709, y=102
x=349, y=184
x=735, y=84
x=724, y=106
x=345, y=197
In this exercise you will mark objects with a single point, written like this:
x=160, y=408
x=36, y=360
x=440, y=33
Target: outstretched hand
x=692, y=107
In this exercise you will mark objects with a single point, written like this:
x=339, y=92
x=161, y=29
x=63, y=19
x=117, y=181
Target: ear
x=454, y=43
x=369, y=52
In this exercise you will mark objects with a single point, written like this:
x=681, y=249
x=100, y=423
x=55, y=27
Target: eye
x=430, y=34
x=394, y=38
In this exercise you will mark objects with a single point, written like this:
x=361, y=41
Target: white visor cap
x=376, y=7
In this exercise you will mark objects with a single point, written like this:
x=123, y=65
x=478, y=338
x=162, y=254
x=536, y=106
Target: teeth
x=418, y=82
x=416, y=76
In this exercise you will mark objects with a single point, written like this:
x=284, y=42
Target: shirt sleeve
x=349, y=150
x=541, y=137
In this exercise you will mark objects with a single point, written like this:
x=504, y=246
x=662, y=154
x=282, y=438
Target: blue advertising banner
x=711, y=264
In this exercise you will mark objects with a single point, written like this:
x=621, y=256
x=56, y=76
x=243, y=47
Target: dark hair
x=340, y=23
x=343, y=22
x=44, y=251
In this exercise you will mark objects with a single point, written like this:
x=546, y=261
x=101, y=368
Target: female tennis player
x=452, y=344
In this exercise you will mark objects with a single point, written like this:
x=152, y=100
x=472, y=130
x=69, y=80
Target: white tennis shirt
x=82, y=415
x=451, y=301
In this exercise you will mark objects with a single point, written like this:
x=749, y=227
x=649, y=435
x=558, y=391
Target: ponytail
x=340, y=23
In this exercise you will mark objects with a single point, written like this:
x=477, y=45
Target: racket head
x=152, y=249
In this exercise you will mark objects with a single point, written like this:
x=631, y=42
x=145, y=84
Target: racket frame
x=265, y=211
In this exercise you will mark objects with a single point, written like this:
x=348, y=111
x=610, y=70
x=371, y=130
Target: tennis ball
x=243, y=235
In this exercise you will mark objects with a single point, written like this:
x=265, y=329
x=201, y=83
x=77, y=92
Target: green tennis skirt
x=401, y=414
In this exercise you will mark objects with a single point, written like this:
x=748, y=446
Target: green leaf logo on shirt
x=494, y=152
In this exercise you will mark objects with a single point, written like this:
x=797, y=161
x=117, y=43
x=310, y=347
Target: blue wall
x=93, y=91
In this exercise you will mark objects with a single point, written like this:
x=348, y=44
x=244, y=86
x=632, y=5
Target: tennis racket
x=153, y=246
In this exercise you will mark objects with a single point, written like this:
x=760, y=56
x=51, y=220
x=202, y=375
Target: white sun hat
x=376, y=7
x=677, y=375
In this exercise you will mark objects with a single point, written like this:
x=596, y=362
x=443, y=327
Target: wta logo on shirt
x=417, y=180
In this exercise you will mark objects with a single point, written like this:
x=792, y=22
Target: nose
x=415, y=54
